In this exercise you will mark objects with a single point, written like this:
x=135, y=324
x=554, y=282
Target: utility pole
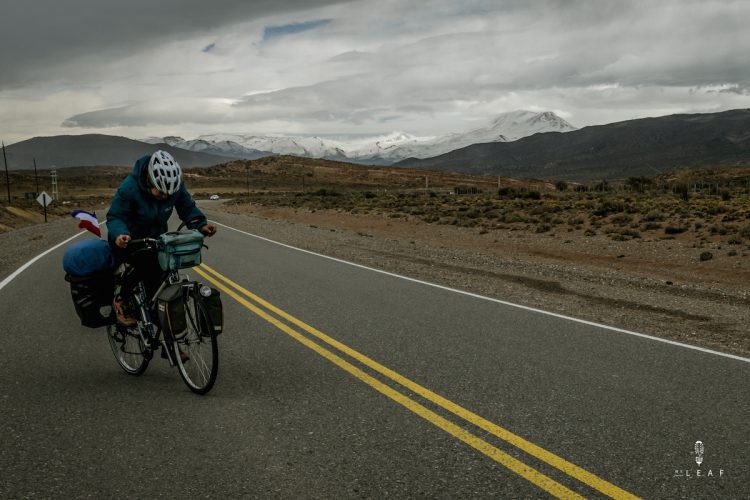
x=7, y=178
x=55, y=192
x=36, y=178
x=247, y=179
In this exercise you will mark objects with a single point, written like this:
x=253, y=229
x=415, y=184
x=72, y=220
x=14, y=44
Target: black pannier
x=92, y=298
x=170, y=308
x=173, y=318
x=215, y=310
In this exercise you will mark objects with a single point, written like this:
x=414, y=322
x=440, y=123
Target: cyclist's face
x=158, y=194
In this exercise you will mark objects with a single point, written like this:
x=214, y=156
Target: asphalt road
x=341, y=382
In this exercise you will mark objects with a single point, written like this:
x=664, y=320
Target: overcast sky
x=188, y=67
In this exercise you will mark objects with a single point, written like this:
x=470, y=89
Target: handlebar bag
x=180, y=250
x=170, y=309
x=92, y=298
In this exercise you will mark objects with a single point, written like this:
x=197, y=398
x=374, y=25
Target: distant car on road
x=214, y=197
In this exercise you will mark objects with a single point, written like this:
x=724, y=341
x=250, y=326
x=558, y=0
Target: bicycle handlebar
x=139, y=245
x=137, y=241
x=190, y=222
x=144, y=242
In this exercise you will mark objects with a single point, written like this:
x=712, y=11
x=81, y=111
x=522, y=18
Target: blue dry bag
x=88, y=257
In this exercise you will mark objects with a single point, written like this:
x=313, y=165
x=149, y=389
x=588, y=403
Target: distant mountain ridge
x=95, y=150
x=644, y=146
x=225, y=147
x=379, y=150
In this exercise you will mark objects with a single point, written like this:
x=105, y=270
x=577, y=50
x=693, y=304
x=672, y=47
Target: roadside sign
x=44, y=199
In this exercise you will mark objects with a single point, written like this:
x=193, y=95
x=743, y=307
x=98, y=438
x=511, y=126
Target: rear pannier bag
x=181, y=250
x=92, y=298
x=215, y=310
x=170, y=308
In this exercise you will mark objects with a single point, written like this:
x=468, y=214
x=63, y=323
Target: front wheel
x=196, y=349
x=128, y=349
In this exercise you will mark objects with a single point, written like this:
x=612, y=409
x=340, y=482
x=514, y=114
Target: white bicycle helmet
x=164, y=172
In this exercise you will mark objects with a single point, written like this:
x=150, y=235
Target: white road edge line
x=498, y=301
x=28, y=264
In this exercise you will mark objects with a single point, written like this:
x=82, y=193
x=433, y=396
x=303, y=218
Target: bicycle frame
x=149, y=332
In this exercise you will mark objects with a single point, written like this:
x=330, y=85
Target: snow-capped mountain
x=517, y=124
x=504, y=128
x=226, y=148
x=315, y=147
x=383, y=149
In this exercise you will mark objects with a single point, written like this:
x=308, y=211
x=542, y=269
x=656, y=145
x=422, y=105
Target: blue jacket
x=136, y=212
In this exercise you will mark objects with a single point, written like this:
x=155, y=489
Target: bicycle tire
x=128, y=349
x=196, y=350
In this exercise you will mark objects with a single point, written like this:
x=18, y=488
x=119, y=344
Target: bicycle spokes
x=197, y=351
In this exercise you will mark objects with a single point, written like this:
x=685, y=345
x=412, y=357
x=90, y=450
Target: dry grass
x=717, y=213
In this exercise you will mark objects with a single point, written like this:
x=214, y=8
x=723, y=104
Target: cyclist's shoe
x=121, y=311
x=184, y=357
x=119, y=333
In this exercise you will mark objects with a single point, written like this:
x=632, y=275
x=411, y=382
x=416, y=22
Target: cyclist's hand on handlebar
x=208, y=230
x=122, y=240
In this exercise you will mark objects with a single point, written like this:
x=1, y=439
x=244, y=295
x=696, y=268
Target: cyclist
x=142, y=207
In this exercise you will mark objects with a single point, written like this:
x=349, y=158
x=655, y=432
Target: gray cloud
x=45, y=39
x=366, y=65
x=734, y=89
x=164, y=112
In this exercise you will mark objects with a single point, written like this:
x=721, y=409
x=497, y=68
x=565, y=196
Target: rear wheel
x=128, y=349
x=196, y=349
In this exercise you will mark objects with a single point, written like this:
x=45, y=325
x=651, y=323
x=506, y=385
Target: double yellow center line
x=264, y=309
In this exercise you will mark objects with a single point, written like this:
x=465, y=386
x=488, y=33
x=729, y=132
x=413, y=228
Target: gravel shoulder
x=20, y=245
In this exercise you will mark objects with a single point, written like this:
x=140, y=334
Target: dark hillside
x=94, y=150
x=646, y=146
